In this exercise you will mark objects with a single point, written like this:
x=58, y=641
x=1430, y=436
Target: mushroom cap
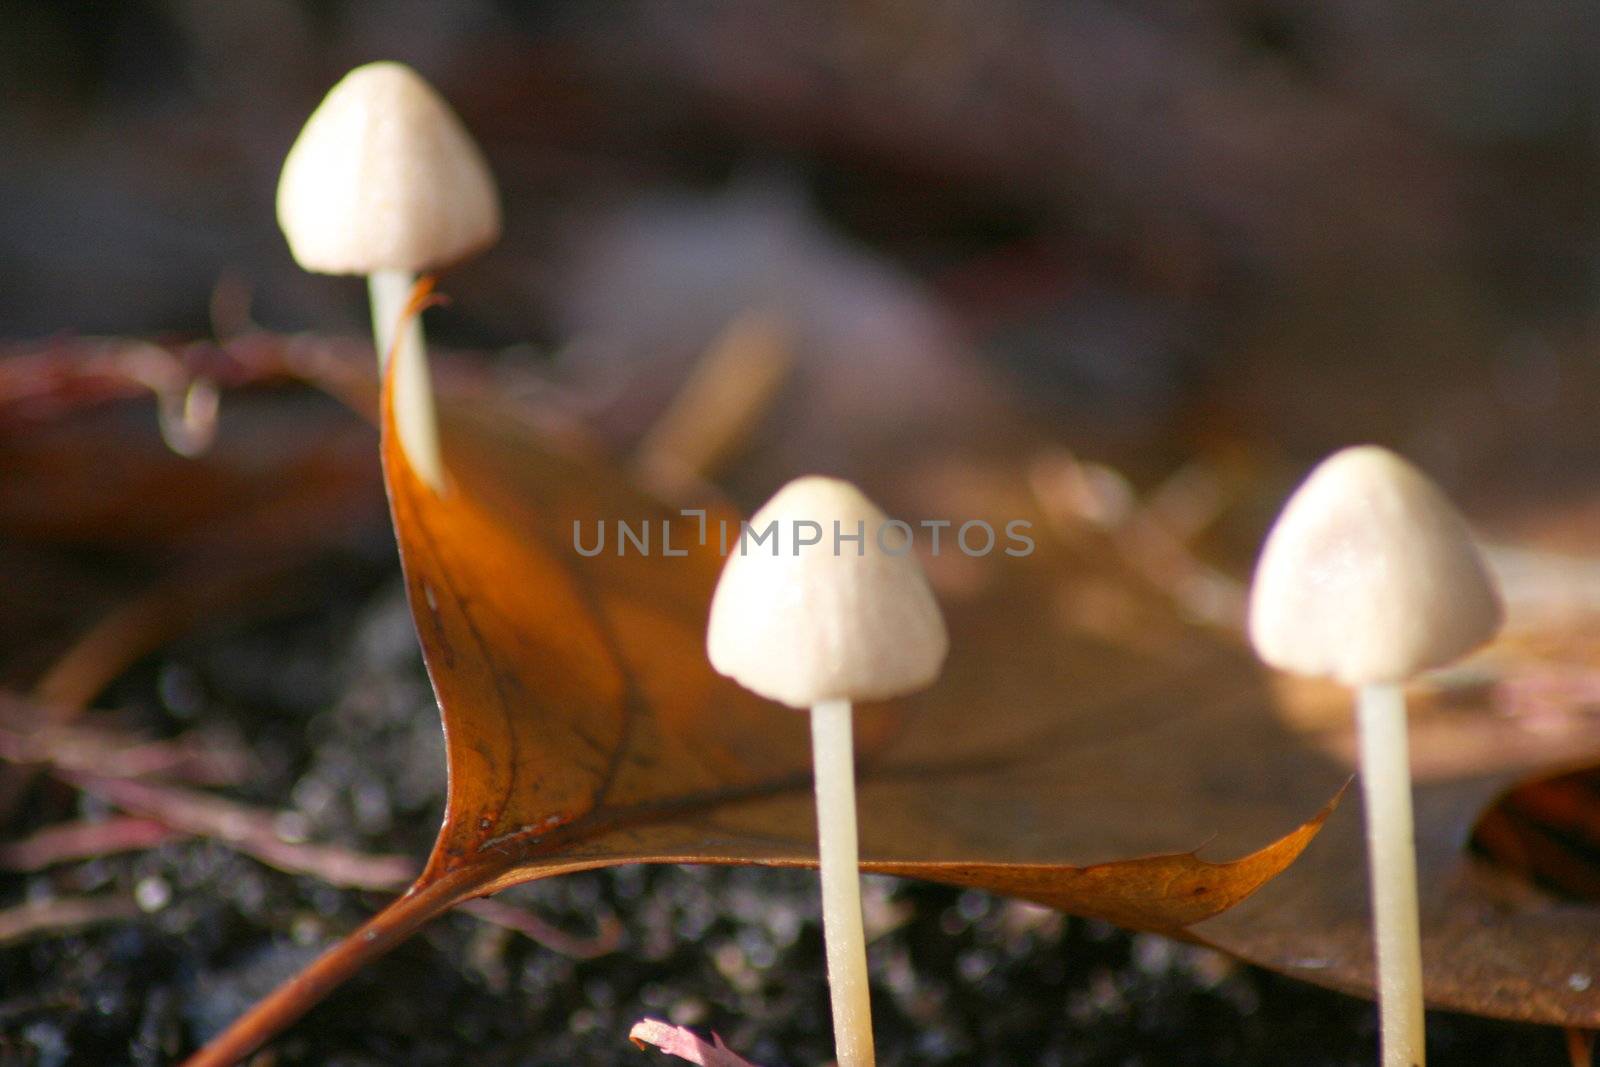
x=808, y=624
x=1370, y=575
x=385, y=177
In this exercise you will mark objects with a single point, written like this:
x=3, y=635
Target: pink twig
x=254, y=832
x=66, y=842
x=109, y=754
x=60, y=914
x=685, y=1044
x=249, y=830
x=604, y=941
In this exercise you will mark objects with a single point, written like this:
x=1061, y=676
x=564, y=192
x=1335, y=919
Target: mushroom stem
x=414, y=417
x=833, y=759
x=1386, y=792
x=388, y=291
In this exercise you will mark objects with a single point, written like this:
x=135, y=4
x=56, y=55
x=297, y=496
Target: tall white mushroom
x=1369, y=577
x=384, y=181
x=835, y=610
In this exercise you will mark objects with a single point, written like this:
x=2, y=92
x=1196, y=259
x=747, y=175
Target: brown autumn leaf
x=1505, y=931
x=585, y=728
x=1548, y=832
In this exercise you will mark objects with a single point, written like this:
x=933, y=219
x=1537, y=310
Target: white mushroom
x=1370, y=576
x=384, y=181
x=834, y=611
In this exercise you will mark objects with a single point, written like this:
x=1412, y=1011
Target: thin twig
x=190, y=757
x=66, y=842
x=60, y=914
x=604, y=941
x=108, y=765
x=729, y=390
x=249, y=830
x=1152, y=535
x=253, y=832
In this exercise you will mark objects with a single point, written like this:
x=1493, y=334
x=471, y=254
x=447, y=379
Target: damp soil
x=337, y=715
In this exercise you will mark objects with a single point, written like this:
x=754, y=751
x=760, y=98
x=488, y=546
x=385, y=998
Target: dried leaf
x=585, y=728
x=1548, y=832
x=1494, y=943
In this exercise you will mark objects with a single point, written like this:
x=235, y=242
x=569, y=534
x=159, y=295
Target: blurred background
x=1294, y=219
x=1149, y=231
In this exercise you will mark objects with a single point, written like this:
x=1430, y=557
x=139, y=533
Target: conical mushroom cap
x=1370, y=575
x=384, y=177
x=808, y=624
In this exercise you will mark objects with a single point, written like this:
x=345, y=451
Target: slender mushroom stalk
x=384, y=181
x=1370, y=576
x=1391, y=852
x=839, y=869
x=833, y=612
